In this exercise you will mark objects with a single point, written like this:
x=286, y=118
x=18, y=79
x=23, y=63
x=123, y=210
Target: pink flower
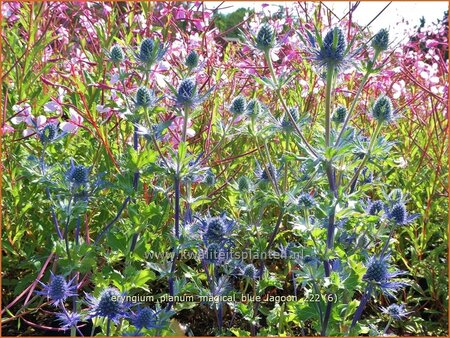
x=71, y=126
x=6, y=129
x=34, y=124
x=22, y=113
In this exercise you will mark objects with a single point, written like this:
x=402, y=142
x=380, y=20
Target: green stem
x=387, y=326
x=285, y=186
x=366, y=156
x=283, y=103
x=329, y=89
x=355, y=99
x=185, y=122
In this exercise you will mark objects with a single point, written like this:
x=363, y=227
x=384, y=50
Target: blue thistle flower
x=49, y=133
x=145, y=98
x=305, y=201
x=380, y=41
x=382, y=110
x=375, y=207
x=332, y=52
x=116, y=55
x=210, y=178
x=68, y=319
x=378, y=273
x=253, y=108
x=215, y=229
x=244, y=184
x=262, y=174
x=191, y=60
x=238, y=105
x=145, y=318
x=286, y=123
x=186, y=95
x=339, y=115
x=249, y=271
x=399, y=215
x=265, y=38
x=58, y=290
x=150, y=52
x=77, y=174
x=109, y=304
x=395, y=311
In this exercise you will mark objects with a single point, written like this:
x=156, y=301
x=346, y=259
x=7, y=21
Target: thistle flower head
x=49, y=133
x=339, y=115
x=375, y=207
x=58, y=290
x=249, y=271
x=116, y=55
x=145, y=98
x=263, y=173
x=378, y=273
x=395, y=311
x=334, y=44
x=265, y=38
x=286, y=123
x=68, y=319
x=382, y=110
x=210, y=178
x=146, y=50
x=253, y=108
x=191, y=60
x=150, y=52
x=399, y=215
x=216, y=229
x=244, y=184
x=77, y=174
x=380, y=41
x=186, y=95
x=305, y=201
x=238, y=105
x=109, y=304
x=331, y=51
x=145, y=318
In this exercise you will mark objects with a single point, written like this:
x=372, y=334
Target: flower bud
x=382, y=110
x=380, y=41
x=339, y=115
x=334, y=46
x=144, y=97
x=116, y=55
x=238, y=105
x=191, y=60
x=146, y=50
x=265, y=39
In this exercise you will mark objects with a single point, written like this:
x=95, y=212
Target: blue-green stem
x=366, y=156
x=387, y=326
x=108, y=327
x=283, y=103
x=358, y=93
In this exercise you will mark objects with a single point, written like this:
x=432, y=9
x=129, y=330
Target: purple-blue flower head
x=110, y=304
x=77, y=174
x=145, y=318
x=68, y=319
x=379, y=274
x=399, y=216
x=58, y=290
x=187, y=96
x=395, y=311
